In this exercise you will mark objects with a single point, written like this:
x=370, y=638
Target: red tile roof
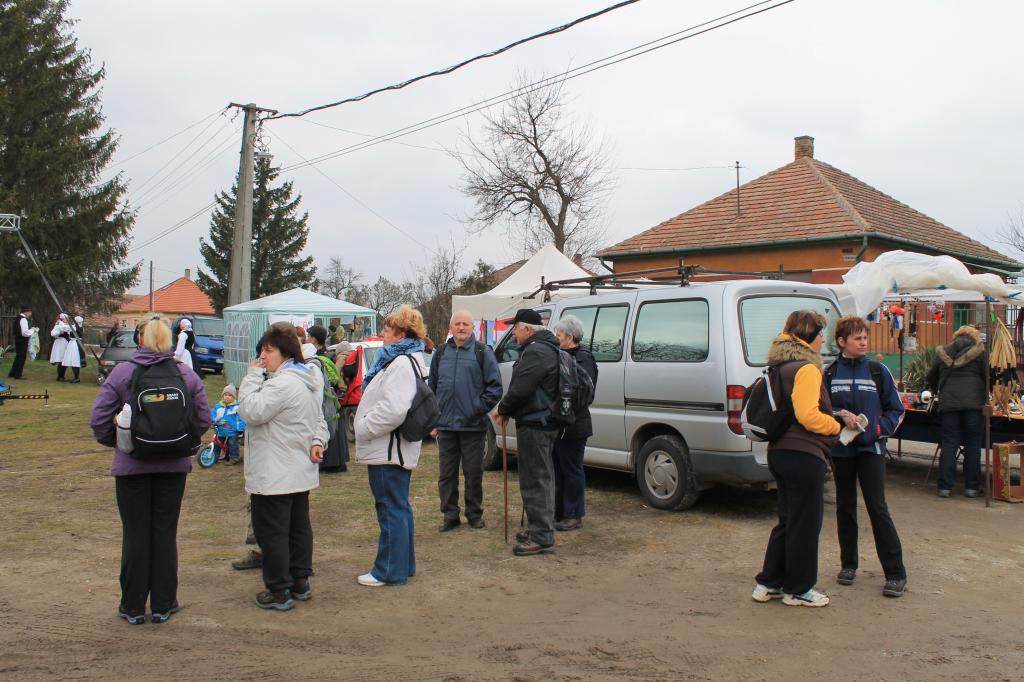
x=180, y=296
x=804, y=200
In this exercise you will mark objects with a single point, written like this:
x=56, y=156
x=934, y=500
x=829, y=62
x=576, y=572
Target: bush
x=915, y=372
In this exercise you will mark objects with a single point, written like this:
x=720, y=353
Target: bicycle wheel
x=207, y=456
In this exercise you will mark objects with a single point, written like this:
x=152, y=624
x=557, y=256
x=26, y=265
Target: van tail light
x=734, y=407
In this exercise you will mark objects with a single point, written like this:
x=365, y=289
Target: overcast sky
x=919, y=98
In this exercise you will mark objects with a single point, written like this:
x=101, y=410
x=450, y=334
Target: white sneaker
x=368, y=580
x=765, y=594
x=808, y=598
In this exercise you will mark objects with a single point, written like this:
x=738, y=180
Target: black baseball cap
x=528, y=316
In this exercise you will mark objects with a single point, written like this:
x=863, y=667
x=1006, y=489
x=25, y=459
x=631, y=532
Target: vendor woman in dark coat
x=957, y=377
x=570, y=481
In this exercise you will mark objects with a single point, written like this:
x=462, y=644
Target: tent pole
x=987, y=410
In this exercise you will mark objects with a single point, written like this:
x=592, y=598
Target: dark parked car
x=117, y=349
x=209, y=346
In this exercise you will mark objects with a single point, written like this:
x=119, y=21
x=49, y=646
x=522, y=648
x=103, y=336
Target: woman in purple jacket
x=148, y=491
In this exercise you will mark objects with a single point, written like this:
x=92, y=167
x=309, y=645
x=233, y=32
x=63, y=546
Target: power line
x=658, y=43
x=169, y=138
x=194, y=172
x=152, y=191
x=369, y=135
x=352, y=196
x=160, y=170
x=172, y=228
x=450, y=69
x=694, y=168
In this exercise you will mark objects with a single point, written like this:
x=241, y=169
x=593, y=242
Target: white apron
x=60, y=345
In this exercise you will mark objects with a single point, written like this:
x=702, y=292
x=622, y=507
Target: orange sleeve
x=806, y=397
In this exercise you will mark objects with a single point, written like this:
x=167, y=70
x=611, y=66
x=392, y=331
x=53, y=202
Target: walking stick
x=504, y=473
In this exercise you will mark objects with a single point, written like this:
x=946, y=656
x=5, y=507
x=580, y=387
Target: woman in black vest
x=797, y=460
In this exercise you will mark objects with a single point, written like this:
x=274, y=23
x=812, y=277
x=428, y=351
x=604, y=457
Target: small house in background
x=182, y=297
x=807, y=219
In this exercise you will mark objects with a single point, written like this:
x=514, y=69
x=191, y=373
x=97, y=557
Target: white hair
x=461, y=312
x=570, y=325
x=532, y=327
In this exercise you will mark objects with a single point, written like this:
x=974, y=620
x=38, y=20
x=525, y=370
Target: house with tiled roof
x=182, y=297
x=808, y=219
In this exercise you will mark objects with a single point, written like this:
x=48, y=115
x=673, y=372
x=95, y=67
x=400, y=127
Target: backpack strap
x=396, y=439
x=875, y=368
x=478, y=349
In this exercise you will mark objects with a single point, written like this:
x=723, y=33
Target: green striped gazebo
x=246, y=322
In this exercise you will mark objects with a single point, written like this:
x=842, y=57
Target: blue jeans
x=967, y=428
x=232, y=443
x=396, y=552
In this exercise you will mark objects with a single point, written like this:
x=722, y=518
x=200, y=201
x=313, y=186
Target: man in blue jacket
x=859, y=386
x=465, y=378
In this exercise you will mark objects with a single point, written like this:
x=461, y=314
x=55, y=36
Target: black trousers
x=20, y=354
x=791, y=559
x=570, y=480
x=467, y=448
x=284, y=534
x=149, y=505
x=869, y=469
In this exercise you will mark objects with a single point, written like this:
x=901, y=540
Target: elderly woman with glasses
x=570, y=481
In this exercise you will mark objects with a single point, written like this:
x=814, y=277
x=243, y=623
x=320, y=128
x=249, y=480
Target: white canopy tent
x=501, y=302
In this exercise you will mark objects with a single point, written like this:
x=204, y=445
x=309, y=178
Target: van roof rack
x=683, y=273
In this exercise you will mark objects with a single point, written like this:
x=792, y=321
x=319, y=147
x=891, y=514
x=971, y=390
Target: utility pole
x=240, y=275
x=150, y=286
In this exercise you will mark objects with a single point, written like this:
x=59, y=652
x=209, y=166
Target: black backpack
x=575, y=390
x=163, y=413
x=479, y=350
x=767, y=413
x=422, y=416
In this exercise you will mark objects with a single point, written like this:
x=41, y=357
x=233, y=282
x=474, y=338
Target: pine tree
x=53, y=149
x=279, y=235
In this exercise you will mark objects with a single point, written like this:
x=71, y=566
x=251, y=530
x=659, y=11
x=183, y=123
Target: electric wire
x=153, y=189
x=169, y=137
x=195, y=171
x=350, y=195
x=465, y=62
x=171, y=160
x=181, y=223
x=711, y=25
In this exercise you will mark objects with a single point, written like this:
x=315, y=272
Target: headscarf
x=389, y=353
x=63, y=317
x=185, y=325
x=79, y=319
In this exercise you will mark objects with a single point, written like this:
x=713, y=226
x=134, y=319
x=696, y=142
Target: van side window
x=671, y=331
x=586, y=316
x=609, y=328
x=508, y=349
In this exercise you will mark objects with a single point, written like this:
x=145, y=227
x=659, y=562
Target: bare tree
x=384, y=296
x=541, y=176
x=337, y=281
x=431, y=291
x=1012, y=234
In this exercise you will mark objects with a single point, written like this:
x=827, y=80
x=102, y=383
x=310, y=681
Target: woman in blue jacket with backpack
x=859, y=386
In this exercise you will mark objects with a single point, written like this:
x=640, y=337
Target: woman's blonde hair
x=805, y=324
x=156, y=335
x=408, y=321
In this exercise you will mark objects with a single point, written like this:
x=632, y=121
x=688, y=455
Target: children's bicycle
x=211, y=452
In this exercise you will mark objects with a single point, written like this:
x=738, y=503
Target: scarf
x=389, y=353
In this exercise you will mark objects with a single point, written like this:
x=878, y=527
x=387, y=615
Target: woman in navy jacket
x=858, y=386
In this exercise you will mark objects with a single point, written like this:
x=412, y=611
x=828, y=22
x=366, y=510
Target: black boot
x=61, y=371
x=75, y=371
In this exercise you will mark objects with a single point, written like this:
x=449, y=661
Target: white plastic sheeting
x=503, y=300
x=895, y=272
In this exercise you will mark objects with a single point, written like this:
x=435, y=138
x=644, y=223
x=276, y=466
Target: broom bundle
x=1003, y=362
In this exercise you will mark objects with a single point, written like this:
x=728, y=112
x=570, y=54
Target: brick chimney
x=188, y=273
x=804, y=147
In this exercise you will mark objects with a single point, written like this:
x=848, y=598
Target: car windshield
x=122, y=340
x=762, y=319
x=208, y=327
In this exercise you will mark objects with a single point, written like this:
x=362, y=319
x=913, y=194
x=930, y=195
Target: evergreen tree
x=53, y=149
x=278, y=237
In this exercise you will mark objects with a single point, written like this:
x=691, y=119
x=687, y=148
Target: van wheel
x=492, y=451
x=664, y=473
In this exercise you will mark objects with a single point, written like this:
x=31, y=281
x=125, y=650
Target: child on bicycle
x=228, y=425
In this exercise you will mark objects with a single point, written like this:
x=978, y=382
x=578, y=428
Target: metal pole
x=987, y=410
x=150, y=286
x=738, y=188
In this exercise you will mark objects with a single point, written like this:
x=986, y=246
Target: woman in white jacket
x=388, y=391
x=280, y=401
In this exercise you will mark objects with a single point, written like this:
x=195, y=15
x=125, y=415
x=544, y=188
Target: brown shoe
x=569, y=524
x=251, y=560
x=531, y=548
x=522, y=535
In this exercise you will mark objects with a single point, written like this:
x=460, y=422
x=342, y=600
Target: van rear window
x=763, y=317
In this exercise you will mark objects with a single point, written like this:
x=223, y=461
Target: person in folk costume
x=23, y=334
x=74, y=355
x=61, y=334
x=183, y=352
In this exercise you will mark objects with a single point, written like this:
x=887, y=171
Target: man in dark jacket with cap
x=531, y=393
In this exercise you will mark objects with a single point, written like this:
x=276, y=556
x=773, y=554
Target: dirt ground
x=636, y=594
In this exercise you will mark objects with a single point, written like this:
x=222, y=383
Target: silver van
x=674, y=362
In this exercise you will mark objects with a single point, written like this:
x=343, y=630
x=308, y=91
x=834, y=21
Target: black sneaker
x=449, y=524
x=895, y=587
x=133, y=619
x=301, y=589
x=846, y=576
x=163, y=617
x=477, y=523
x=280, y=600
x=568, y=524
